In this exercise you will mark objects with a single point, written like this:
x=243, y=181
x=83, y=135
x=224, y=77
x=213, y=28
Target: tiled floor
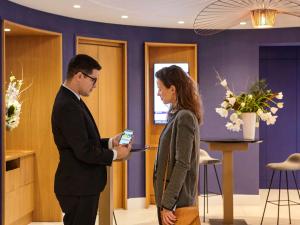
x=249, y=209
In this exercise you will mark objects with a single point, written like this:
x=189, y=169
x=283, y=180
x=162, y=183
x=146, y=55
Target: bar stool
x=292, y=163
x=205, y=159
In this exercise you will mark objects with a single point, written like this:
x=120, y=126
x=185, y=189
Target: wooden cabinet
x=19, y=187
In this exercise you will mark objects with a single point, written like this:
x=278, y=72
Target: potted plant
x=247, y=108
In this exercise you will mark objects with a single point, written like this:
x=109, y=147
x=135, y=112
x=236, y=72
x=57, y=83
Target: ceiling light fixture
x=243, y=23
x=7, y=29
x=220, y=15
x=263, y=18
x=76, y=6
x=124, y=17
x=180, y=22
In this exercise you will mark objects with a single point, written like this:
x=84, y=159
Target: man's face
x=88, y=82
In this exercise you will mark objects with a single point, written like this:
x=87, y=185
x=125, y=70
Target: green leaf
x=11, y=111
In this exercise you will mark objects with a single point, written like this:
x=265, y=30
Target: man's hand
x=168, y=217
x=116, y=140
x=123, y=151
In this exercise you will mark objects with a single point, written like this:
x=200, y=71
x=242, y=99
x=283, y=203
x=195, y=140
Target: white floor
x=247, y=208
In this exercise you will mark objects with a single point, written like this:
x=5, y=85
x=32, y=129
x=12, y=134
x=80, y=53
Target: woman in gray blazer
x=178, y=144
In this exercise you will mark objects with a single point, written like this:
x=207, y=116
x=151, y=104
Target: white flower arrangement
x=12, y=102
x=258, y=100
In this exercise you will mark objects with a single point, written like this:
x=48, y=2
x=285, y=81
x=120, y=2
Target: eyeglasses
x=94, y=80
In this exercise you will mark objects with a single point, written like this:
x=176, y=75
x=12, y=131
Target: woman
x=177, y=156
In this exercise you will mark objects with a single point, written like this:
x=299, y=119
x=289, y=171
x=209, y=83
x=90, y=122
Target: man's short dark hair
x=82, y=63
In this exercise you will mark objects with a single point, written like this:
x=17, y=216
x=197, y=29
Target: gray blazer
x=180, y=138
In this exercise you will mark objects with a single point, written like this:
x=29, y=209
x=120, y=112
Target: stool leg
x=279, y=197
x=270, y=185
x=218, y=180
x=206, y=189
x=287, y=188
x=115, y=218
x=204, y=193
x=296, y=183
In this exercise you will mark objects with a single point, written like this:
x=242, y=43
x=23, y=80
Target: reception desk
x=19, y=187
x=227, y=147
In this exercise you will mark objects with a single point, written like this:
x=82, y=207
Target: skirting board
x=139, y=203
x=246, y=199
x=136, y=203
x=237, y=200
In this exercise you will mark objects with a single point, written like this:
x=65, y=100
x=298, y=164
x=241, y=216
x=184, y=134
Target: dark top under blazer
x=83, y=154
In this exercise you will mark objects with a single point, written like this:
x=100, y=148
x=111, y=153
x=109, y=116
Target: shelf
x=15, y=154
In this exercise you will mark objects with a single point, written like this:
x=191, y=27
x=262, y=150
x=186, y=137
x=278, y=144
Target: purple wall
x=280, y=66
x=235, y=54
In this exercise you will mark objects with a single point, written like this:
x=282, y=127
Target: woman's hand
x=168, y=217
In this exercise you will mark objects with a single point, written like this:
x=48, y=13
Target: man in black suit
x=81, y=172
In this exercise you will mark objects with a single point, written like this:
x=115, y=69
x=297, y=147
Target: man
x=81, y=173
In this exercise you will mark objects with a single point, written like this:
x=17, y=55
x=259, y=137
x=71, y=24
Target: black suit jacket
x=83, y=154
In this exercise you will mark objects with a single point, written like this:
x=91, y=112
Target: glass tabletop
x=139, y=148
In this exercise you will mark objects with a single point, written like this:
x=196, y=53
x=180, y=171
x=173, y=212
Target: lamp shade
x=263, y=18
x=219, y=15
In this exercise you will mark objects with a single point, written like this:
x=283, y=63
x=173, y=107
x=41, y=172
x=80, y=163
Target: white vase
x=249, y=121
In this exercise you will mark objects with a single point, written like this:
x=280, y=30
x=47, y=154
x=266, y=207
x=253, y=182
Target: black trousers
x=79, y=210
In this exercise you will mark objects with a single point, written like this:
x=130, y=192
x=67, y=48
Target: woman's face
x=167, y=95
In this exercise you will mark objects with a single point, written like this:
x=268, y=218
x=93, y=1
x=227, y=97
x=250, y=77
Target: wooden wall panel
x=41, y=59
x=108, y=103
x=92, y=101
x=114, y=123
x=109, y=109
x=161, y=53
x=166, y=54
x=111, y=90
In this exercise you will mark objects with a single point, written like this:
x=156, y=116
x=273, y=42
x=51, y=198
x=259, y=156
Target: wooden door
x=107, y=103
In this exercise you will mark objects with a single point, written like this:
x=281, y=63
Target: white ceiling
x=151, y=13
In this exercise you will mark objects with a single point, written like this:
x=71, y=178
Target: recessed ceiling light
x=7, y=29
x=124, y=17
x=243, y=23
x=76, y=6
x=180, y=22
